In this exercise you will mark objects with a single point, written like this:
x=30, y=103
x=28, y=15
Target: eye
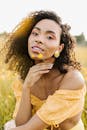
x=34, y=33
x=50, y=37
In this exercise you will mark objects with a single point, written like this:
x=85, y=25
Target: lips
x=37, y=49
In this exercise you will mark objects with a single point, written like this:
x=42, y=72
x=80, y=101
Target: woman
x=41, y=49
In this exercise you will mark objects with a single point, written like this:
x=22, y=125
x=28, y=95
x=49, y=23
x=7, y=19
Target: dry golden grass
x=81, y=53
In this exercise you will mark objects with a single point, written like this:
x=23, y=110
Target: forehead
x=47, y=24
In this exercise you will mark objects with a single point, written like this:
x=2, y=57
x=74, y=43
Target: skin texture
x=47, y=39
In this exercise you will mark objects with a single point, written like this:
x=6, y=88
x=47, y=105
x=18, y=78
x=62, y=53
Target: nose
x=39, y=42
x=40, y=39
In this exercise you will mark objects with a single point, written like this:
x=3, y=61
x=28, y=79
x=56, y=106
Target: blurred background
x=72, y=12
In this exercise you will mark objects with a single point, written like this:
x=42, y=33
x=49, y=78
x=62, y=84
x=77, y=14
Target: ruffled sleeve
x=62, y=105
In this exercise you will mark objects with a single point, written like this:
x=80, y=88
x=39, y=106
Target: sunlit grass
x=7, y=99
x=81, y=53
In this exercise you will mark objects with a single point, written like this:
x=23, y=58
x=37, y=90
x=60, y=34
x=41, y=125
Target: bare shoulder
x=73, y=80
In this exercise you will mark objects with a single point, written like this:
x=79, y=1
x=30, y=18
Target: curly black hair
x=17, y=45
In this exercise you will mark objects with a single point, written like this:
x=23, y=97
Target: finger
x=41, y=64
x=43, y=68
x=43, y=72
x=40, y=72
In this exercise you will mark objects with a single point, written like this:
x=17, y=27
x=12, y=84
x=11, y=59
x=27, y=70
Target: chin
x=37, y=57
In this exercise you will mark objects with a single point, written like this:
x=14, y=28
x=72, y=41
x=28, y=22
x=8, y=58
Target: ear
x=61, y=46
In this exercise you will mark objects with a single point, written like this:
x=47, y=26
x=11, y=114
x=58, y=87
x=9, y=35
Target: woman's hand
x=36, y=72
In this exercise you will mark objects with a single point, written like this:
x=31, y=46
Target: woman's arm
x=70, y=123
x=24, y=112
x=35, y=123
x=34, y=74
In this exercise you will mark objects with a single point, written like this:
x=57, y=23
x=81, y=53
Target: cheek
x=30, y=38
x=52, y=46
x=29, y=41
x=51, y=50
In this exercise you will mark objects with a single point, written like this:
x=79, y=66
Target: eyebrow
x=48, y=31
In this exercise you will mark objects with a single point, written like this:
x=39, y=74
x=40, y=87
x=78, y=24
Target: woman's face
x=44, y=40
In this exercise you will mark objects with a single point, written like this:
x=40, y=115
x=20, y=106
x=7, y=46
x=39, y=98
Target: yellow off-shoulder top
x=62, y=105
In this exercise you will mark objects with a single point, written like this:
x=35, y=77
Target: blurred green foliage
x=81, y=39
